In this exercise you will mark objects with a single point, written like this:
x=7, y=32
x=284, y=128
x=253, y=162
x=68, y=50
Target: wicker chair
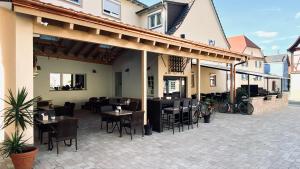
x=135, y=121
x=171, y=116
x=106, y=118
x=65, y=130
x=186, y=114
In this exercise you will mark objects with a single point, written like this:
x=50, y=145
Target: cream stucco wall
x=98, y=84
x=94, y=7
x=201, y=25
x=295, y=89
x=251, y=67
x=163, y=63
x=16, y=51
x=205, y=80
x=131, y=80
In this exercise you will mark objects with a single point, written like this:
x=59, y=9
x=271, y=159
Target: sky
x=274, y=25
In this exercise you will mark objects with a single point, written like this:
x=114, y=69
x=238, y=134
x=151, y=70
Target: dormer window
x=112, y=8
x=77, y=2
x=154, y=20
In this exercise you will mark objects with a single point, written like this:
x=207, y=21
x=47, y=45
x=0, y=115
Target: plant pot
x=148, y=130
x=206, y=118
x=24, y=160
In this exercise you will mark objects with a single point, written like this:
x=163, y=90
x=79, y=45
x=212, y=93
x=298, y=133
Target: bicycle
x=243, y=107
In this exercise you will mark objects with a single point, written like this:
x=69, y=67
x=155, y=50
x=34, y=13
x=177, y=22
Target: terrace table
x=54, y=121
x=120, y=116
x=51, y=123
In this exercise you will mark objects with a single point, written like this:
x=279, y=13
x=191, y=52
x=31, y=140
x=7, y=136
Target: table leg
x=121, y=128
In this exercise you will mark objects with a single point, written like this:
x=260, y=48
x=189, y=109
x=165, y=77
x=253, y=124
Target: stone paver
x=231, y=141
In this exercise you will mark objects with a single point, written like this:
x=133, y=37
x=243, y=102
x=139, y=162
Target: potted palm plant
x=19, y=114
x=207, y=110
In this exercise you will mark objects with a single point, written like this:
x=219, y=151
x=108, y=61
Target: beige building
x=294, y=51
x=244, y=45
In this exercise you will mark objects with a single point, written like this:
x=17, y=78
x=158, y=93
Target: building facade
x=278, y=65
x=244, y=45
x=110, y=48
x=294, y=52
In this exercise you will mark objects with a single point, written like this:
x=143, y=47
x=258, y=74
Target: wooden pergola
x=89, y=31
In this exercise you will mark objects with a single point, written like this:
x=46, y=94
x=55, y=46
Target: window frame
x=73, y=75
x=79, y=3
x=111, y=15
x=213, y=78
x=155, y=20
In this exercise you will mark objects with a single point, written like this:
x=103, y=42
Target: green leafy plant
x=17, y=113
x=14, y=145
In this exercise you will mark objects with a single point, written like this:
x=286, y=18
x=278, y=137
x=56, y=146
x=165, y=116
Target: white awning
x=240, y=71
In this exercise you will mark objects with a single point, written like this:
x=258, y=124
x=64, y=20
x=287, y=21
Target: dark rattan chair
x=135, y=121
x=106, y=118
x=186, y=114
x=171, y=116
x=65, y=130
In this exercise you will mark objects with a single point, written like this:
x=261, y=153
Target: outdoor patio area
x=270, y=140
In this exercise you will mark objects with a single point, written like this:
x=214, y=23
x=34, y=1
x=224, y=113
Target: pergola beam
x=93, y=23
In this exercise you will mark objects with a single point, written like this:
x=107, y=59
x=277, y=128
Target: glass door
x=174, y=87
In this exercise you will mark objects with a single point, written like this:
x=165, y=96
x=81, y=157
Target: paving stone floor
x=231, y=141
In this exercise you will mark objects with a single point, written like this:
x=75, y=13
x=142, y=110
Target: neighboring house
x=278, y=65
x=294, y=51
x=243, y=44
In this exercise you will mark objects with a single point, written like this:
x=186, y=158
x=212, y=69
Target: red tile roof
x=240, y=43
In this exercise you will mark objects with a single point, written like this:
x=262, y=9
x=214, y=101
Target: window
x=213, y=80
x=258, y=64
x=256, y=78
x=211, y=42
x=66, y=81
x=244, y=77
x=55, y=81
x=78, y=2
x=154, y=20
x=150, y=85
x=245, y=64
x=112, y=8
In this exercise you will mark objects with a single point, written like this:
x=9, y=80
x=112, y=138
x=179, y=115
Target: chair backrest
x=185, y=103
x=59, y=111
x=137, y=118
x=176, y=104
x=67, y=129
x=93, y=99
x=42, y=103
x=106, y=108
x=133, y=106
x=69, y=109
x=194, y=102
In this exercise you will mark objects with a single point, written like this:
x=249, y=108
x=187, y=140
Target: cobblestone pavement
x=231, y=141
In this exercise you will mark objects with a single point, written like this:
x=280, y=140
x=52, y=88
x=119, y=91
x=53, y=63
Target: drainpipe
x=234, y=74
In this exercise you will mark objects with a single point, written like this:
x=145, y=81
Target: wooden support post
x=281, y=80
x=198, y=80
x=249, y=92
x=144, y=84
x=267, y=85
x=232, y=84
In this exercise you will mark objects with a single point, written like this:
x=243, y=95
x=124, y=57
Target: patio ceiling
x=49, y=46
x=70, y=24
